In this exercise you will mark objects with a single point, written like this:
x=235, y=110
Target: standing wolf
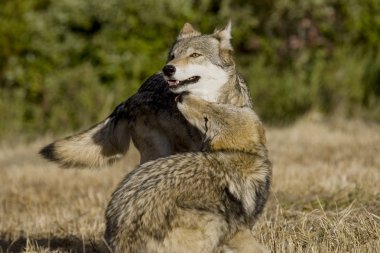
x=196, y=201
x=201, y=64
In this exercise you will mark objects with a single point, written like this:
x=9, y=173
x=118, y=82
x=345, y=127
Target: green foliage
x=65, y=64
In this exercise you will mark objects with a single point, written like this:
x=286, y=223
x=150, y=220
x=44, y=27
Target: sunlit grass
x=325, y=195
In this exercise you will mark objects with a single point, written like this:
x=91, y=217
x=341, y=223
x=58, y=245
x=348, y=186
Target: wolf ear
x=224, y=36
x=187, y=31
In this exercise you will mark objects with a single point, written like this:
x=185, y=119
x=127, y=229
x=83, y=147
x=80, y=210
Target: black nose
x=168, y=70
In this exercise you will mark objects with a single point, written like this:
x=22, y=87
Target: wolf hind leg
x=243, y=242
x=193, y=231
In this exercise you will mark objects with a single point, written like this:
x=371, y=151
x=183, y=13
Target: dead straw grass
x=325, y=194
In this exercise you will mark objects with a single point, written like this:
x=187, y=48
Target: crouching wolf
x=203, y=201
x=199, y=63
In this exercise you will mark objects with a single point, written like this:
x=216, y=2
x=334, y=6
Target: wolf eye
x=195, y=55
x=171, y=57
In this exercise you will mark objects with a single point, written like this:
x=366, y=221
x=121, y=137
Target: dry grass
x=326, y=194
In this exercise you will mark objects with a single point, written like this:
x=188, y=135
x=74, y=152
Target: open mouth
x=173, y=84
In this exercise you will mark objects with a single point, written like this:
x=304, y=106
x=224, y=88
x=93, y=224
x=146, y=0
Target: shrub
x=65, y=64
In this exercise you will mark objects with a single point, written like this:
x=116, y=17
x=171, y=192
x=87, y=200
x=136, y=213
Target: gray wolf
x=200, y=63
x=196, y=201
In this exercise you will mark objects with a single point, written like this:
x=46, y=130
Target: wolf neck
x=234, y=92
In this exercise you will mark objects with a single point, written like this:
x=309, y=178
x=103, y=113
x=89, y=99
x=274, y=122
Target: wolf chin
x=196, y=201
x=199, y=63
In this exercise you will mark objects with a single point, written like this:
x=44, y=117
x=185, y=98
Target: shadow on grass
x=69, y=243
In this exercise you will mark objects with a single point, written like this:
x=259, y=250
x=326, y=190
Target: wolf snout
x=169, y=70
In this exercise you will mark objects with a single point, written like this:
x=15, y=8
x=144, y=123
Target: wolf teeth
x=174, y=83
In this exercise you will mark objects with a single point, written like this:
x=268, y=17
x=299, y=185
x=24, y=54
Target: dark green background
x=66, y=64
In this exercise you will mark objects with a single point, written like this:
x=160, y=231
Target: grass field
x=325, y=194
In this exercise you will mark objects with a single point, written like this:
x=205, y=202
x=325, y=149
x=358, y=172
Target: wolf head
x=200, y=63
x=225, y=127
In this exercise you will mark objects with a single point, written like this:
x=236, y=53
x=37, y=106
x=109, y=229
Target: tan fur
x=200, y=201
x=80, y=150
x=243, y=242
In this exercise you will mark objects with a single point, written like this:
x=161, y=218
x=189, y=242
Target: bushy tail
x=100, y=145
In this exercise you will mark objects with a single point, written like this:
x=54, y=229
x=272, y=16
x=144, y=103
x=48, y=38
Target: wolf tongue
x=173, y=82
